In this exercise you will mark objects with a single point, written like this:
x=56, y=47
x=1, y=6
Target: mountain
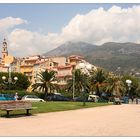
x=108, y=55
x=71, y=48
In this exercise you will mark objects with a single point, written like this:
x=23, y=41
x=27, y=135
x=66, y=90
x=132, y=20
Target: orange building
x=27, y=65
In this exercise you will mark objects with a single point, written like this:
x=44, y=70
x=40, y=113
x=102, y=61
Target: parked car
x=93, y=98
x=105, y=96
x=78, y=99
x=32, y=98
x=124, y=99
x=5, y=97
x=117, y=100
x=90, y=98
x=57, y=97
x=57, y=93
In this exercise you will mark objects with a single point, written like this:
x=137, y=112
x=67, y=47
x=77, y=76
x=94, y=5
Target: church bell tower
x=4, y=50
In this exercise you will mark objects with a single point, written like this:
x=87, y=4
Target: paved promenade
x=114, y=120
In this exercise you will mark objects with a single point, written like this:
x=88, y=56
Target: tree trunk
x=46, y=93
x=45, y=96
x=97, y=90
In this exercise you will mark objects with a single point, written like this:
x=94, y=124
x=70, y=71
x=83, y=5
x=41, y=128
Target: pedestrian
x=132, y=98
x=16, y=96
x=136, y=100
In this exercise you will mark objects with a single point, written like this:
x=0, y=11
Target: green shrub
x=21, y=84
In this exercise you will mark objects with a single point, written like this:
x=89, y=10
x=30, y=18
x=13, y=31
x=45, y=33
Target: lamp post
x=73, y=84
x=85, y=69
x=9, y=80
x=129, y=82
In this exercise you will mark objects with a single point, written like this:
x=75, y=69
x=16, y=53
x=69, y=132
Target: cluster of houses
x=32, y=65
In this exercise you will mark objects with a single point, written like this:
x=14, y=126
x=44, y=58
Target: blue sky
x=49, y=17
x=38, y=28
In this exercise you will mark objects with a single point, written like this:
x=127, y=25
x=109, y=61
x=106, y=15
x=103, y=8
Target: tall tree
x=45, y=84
x=80, y=81
x=98, y=78
x=115, y=85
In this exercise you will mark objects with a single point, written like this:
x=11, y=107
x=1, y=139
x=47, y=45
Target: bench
x=16, y=105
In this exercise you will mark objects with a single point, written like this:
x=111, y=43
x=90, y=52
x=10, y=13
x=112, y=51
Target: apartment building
x=32, y=65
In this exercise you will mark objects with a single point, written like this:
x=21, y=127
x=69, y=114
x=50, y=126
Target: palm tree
x=81, y=81
x=46, y=79
x=97, y=80
x=115, y=85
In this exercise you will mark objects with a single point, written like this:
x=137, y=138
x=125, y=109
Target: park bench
x=16, y=105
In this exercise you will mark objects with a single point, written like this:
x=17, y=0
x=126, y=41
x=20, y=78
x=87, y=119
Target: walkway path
x=114, y=120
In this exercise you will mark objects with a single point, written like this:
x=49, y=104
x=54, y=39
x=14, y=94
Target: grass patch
x=44, y=107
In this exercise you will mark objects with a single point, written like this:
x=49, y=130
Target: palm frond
x=45, y=81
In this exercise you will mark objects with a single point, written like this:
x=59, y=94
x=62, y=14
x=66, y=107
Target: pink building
x=64, y=73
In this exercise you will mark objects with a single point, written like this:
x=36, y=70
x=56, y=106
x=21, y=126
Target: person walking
x=136, y=100
x=132, y=98
x=16, y=96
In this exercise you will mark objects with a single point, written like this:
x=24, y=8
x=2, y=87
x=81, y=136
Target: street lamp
x=85, y=67
x=129, y=82
x=9, y=79
x=73, y=83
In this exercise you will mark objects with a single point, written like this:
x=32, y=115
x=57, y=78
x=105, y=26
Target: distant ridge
x=71, y=48
x=110, y=55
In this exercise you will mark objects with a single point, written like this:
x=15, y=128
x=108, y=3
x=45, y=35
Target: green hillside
x=110, y=55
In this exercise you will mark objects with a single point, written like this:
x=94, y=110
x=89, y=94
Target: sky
x=32, y=29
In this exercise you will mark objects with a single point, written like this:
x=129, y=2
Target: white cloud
x=24, y=42
x=97, y=27
x=10, y=22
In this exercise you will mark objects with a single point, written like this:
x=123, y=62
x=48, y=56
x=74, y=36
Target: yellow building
x=27, y=64
x=9, y=59
x=6, y=59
